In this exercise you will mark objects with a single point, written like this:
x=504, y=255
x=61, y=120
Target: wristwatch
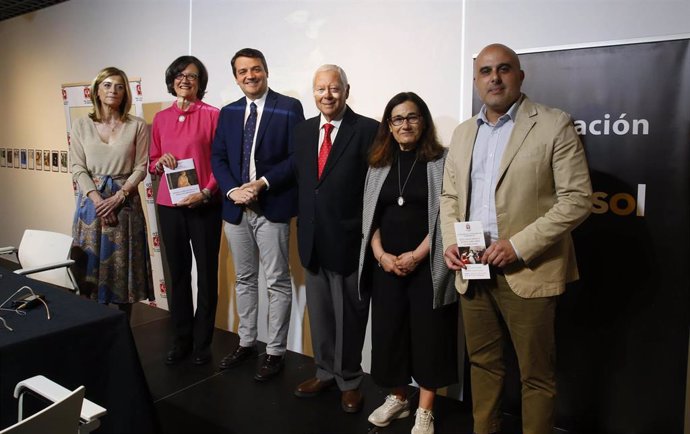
x=207, y=194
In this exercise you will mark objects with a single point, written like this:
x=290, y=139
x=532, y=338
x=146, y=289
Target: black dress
x=409, y=338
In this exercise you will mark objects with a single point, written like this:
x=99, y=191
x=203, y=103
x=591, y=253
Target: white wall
x=385, y=46
x=67, y=43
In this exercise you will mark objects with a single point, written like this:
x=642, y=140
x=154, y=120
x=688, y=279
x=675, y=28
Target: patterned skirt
x=112, y=262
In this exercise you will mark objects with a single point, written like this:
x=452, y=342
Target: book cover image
x=182, y=180
x=472, y=254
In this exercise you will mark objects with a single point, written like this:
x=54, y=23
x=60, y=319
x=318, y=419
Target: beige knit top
x=126, y=154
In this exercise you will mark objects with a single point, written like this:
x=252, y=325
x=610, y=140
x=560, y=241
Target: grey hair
x=336, y=68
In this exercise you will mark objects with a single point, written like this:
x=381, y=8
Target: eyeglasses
x=412, y=119
x=189, y=77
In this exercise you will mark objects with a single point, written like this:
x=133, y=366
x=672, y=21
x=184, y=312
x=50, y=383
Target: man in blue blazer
x=251, y=162
x=331, y=164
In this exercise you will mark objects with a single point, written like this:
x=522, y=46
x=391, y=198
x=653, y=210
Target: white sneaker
x=423, y=422
x=392, y=408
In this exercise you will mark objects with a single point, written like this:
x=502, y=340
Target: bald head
x=500, y=48
x=498, y=78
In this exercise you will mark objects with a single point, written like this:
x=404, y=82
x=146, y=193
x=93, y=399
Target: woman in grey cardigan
x=414, y=310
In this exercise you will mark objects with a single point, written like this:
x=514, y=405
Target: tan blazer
x=543, y=192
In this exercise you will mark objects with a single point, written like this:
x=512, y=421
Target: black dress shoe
x=238, y=356
x=177, y=353
x=270, y=367
x=202, y=357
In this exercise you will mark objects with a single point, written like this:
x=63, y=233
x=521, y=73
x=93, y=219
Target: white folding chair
x=69, y=413
x=45, y=256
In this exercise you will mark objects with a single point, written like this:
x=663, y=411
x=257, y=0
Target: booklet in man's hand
x=471, y=243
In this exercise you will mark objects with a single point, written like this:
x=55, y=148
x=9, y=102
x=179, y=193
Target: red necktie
x=325, y=147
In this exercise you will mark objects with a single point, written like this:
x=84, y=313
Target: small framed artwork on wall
x=55, y=160
x=63, y=161
x=39, y=159
x=46, y=160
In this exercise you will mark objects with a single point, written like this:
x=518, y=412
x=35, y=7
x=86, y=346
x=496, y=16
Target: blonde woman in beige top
x=109, y=151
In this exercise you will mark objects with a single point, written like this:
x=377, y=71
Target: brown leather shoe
x=351, y=401
x=313, y=387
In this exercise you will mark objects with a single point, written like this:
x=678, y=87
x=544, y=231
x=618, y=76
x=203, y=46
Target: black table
x=83, y=343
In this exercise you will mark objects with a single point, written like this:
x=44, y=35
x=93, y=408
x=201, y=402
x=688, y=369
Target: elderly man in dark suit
x=251, y=161
x=331, y=164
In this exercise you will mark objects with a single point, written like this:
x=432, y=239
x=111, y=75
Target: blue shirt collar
x=510, y=114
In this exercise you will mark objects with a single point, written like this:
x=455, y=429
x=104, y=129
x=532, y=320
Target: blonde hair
x=97, y=114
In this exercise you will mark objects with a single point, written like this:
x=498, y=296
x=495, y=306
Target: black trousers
x=409, y=338
x=201, y=226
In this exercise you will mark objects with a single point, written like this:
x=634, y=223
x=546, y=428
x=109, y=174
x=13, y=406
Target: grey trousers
x=338, y=320
x=256, y=239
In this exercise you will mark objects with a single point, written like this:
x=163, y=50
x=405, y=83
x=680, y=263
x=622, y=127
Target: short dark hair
x=178, y=66
x=248, y=52
x=383, y=149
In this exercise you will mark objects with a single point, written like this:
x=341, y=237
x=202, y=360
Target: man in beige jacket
x=520, y=169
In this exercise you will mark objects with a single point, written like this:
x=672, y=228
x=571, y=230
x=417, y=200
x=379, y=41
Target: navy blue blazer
x=329, y=223
x=272, y=155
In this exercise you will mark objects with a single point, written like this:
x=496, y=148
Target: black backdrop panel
x=622, y=329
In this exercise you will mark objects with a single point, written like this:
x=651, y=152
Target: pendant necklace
x=184, y=107
x=111, y=125
x=401, y=199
